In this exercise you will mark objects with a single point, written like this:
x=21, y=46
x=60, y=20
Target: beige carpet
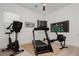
x=5, y=53
x=55, y=46
x=28, y=51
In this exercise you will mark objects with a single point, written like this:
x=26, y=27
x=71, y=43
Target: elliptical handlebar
x=9, y=26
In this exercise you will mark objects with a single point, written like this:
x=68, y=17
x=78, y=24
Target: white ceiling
x=50, y=7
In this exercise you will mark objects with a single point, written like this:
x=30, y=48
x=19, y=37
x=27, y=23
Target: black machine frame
x=16, y=27
x=60, y=38
x=39, y=46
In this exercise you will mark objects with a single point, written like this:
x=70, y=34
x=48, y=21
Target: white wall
x=9, y=17
x=70, y=13
x=3, y=40
x=25, y=36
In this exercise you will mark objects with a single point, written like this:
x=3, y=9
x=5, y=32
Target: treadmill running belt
x=39, y=43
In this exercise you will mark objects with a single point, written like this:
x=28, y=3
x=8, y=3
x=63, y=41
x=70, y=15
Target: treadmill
x=40, y=46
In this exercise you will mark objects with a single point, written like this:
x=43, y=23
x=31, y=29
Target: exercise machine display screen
x=41, y=24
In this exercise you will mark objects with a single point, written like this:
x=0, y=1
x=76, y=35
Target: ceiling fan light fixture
x=44, y=4
x=43, y=8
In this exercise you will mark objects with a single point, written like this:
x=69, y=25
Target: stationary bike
x=16, y=27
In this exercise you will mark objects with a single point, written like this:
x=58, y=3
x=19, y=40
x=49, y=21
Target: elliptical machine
x=16, y=27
